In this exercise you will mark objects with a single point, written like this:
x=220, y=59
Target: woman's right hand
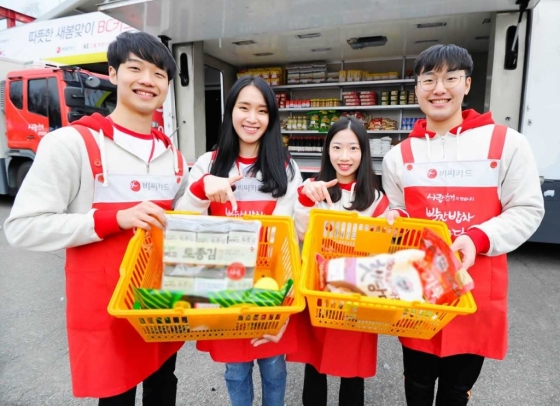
x=219, y=189
x=318, y=191
x=391, y=215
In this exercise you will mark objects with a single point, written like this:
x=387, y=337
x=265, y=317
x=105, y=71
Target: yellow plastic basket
x=335, y=234
x=278, y=257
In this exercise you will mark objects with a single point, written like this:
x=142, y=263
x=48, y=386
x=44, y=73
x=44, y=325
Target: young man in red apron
x=90, y=185
x=481, y=179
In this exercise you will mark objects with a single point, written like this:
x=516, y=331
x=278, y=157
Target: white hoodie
x=304, y=205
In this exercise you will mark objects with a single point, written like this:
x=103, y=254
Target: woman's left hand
x=267, y=338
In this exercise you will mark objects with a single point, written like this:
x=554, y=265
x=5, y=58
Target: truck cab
x=39, y=100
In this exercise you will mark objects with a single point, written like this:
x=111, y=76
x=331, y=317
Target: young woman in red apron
x=479, y=178
x=250, y=172
x=346, y=182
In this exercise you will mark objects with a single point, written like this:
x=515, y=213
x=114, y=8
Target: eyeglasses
x=450, y=81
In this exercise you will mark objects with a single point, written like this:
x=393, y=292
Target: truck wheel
x=22, y=172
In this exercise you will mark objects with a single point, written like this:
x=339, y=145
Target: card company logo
x=135, y=186
x=432, y=174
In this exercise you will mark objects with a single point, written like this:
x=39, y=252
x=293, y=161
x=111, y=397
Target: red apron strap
x=406, y=151
x=497, y=142
x=92, y=148
x=381, y=207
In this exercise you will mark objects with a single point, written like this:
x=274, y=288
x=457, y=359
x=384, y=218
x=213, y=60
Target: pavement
x=34, y=367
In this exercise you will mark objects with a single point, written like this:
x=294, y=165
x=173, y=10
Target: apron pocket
x=88, y=296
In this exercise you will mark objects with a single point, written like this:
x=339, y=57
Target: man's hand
x=144, y=215
x=267, y=338
x=318, y=191
x=219, y=189
x=467, y=250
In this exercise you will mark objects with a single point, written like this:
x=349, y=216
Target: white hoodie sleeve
x=190, y=201
x=40, y=219
x=285, y=204
x=302, y=212
x=521, y=198
x=391, y=178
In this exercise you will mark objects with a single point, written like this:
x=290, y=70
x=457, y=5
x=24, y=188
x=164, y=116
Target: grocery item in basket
x=209, y=254
x=390, y=276
x=443, y=276
x=263, y=294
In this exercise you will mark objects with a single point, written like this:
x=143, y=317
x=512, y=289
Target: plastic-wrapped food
x=390, y=276
x=443, y=276
x=207, y=254
x=259, y=295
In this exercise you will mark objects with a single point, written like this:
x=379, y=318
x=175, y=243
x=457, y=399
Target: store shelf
x=380, y=132
x=312, y=164
x=395, y=107
x=318, y=155
x=345, y=84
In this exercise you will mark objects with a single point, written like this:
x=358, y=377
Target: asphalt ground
x=34, y=367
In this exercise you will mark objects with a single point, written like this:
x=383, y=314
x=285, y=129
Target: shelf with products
x=380, y=132
x=318, y=155
x=328, y=85
x=342, y=108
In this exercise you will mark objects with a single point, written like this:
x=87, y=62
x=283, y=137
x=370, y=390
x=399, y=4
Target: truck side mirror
x=92, y=82
x=74, y=97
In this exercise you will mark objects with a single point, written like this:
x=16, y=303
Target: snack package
x=209, y=254
x=262, y=294
x=390, y=276
x=443, y=277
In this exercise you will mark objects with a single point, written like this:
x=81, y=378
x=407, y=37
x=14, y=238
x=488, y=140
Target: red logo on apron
x=135, y=186
x=432, y=173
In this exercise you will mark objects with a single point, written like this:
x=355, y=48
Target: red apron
x=249, y=201
x=336, y=352
x=343, y=353
x=107, y=356
x=464, y=194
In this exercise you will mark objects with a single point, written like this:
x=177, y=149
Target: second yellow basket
x=335, y=234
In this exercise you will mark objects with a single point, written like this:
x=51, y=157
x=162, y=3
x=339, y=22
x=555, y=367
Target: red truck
x=36, y=100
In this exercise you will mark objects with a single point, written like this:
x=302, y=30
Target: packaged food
x=207, y=254
x=342, y=76
x=443, y=277
x=390, y=276
x=264, y=293
x=325, y=122
x=313, y=121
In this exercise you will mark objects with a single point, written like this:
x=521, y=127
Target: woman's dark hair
x=367, y=183
x=272, y=158
x=143, y=45
x=441, y=56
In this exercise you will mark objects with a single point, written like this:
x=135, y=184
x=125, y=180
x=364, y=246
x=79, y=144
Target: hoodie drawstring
x=459, y=144
x=175, y=158
x=429, y=147
x=103, y=160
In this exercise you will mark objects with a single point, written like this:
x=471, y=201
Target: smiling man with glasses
x=481, y=179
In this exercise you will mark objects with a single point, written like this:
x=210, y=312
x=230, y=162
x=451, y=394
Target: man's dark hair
x=145, y=46
x=438, y=57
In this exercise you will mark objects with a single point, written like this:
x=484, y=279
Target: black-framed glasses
x=450, y=81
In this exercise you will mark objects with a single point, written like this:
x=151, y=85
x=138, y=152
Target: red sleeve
x=105, y=223
x=480, y=239
x=303, y=199
x=197, y=188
